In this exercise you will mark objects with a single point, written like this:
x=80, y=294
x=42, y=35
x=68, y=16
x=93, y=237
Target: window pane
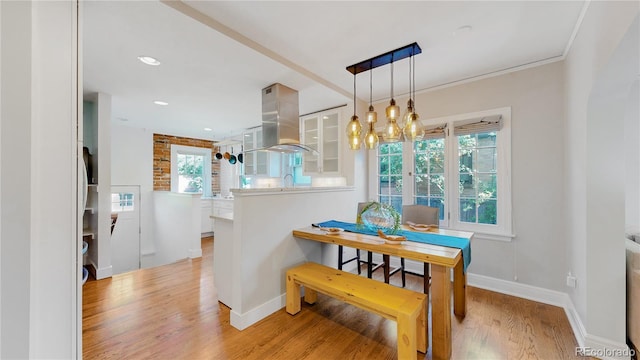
x=478, y=160
x=122, y=202
x=395, y=185
x=487, y=139
x=422, y=185
x=436, y=186
x=466, y=141
x=468, y=210
x=486, y=160
x=467, y=186
x=384, y=185
x=487, y=212
x=429, y=170
x=390, y=174
x=190, y=173
x=487, y=188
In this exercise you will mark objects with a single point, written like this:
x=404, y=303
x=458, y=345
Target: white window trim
x=501, y=232
x=191, y=150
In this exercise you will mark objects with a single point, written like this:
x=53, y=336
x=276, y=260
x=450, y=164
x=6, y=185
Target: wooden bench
x=406, y=307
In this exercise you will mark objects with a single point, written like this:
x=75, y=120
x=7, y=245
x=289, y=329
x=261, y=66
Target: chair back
x=421, y=214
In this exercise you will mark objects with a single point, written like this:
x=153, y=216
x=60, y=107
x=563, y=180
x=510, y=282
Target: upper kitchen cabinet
x=258, y=163
x=321, y=131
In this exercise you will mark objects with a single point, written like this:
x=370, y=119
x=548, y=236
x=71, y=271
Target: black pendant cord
x=410, y=97
x=391, y=78
x=413, y=65
x=354, y=94
x=370, y=87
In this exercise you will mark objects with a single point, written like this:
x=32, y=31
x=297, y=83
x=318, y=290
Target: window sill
x=494, y=237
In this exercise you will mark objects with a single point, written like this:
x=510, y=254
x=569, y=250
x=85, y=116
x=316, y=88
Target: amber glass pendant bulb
x=371, y=139
x=393, y=110
x=413, y=129
x=354, y=129
x=392, y=131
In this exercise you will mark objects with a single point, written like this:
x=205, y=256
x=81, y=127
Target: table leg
x=459, y=290
x=441, y=312
x=387, y=267
x=426, y=278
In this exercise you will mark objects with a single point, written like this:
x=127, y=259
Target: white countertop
x=284, y=190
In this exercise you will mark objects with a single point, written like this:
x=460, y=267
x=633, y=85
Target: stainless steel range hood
x=281, y=120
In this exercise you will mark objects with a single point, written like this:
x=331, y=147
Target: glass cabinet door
x=330, y=143
x=262, y=159
x=249, y=157
x=310, y=161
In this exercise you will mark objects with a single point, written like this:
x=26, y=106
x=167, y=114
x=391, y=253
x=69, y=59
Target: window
x=121, y=202
x=390, y=174
x=429, y=176
x=462, y=167
x=190, y=169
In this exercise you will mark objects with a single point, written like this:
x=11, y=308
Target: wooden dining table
x=442, y=260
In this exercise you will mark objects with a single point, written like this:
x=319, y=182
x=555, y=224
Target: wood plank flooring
x=171, y=312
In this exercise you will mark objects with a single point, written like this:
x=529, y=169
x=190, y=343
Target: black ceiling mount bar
x=386, y=58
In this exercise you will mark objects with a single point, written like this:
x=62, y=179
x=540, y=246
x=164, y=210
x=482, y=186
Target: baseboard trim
x=550, y=297
x=195, y=253
x=243, y=321
x=101, y=273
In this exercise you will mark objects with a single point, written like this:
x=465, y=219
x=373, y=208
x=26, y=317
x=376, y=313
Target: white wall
x=536, y=255
x=263, y=246
x=594, y=180
x=40, y=240
x=132, y=164
x=176, y=219
x=15, y=191
x=632, y=160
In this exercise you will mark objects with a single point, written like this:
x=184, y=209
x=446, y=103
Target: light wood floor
x=171, y=312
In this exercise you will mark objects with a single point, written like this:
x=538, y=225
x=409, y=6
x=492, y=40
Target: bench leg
x=422, y=330
x=407, y=342
x=310, y=295
x=293, y=295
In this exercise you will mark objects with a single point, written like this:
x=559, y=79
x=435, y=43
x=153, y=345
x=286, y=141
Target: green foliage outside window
x=190, y=170
x=477, y=183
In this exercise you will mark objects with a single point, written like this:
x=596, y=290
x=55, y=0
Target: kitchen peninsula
x=254, y=247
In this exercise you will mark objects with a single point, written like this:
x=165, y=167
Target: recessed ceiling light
x=149, y=60
x=163, y=103
x=462, y=30
x=208, y=129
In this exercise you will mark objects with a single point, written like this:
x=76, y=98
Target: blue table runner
x=422, y=237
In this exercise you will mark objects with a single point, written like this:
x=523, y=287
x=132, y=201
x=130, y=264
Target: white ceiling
x=213, y=68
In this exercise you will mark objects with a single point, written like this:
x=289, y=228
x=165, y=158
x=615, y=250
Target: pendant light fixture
x=354, y=129
x=392, y=132
x=371, y=138
x=413, y=129
x=407, y=115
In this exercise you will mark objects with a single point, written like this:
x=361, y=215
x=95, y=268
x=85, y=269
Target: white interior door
x=125, y=233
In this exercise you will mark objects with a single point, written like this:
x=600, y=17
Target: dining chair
x=371, y=266
x=419, y=214
x=356, y=258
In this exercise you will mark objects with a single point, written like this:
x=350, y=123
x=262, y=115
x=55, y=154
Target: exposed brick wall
x=162, y=159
